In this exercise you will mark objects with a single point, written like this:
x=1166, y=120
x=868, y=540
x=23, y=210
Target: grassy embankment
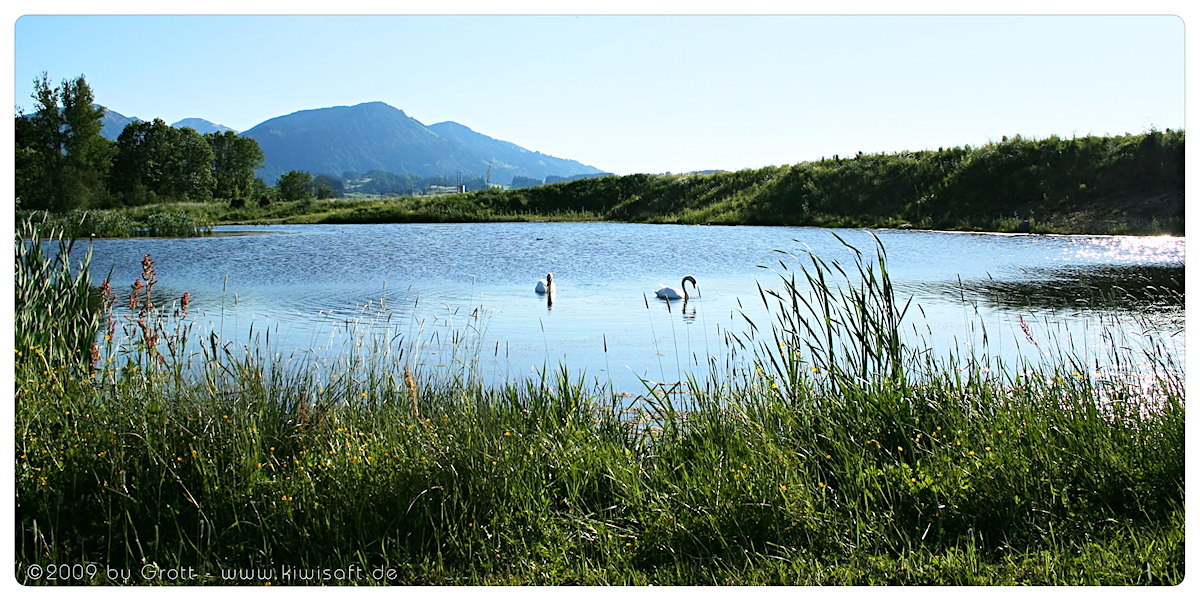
x=1129, y=184
x=835, y=455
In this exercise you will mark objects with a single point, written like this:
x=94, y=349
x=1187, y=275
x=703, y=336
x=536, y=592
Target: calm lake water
x=451, y=291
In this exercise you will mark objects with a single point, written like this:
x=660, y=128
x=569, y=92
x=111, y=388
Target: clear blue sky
x=640, y=93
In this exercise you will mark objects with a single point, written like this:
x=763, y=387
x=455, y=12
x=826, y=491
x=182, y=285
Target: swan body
x=669, y=293
x=545, y=286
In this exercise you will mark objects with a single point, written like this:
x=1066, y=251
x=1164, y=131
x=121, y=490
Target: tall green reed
x=57, y=311
x=844, y=326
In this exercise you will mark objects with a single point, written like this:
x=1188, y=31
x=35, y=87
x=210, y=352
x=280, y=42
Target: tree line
x=64, y=164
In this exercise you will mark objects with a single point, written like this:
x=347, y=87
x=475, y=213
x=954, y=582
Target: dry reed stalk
x=412, y=391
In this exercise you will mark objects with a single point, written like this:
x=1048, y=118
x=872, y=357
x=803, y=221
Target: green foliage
x=154, y=162
x=61, y=159
x=234, y=160
x=295, y=185
x=176, y=224
x=63, y=163
x=57, y=313
x=79, y=224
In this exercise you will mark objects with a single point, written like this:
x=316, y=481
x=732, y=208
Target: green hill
x=1121, y=184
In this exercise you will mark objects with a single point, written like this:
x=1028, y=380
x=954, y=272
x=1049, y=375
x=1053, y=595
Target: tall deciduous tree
x=61, y=157
x=85, y=148
x=295, y=185
x=138, y=172
x=234, y=160
x=192, y=166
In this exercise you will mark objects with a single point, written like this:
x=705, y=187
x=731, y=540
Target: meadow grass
x=834, y=454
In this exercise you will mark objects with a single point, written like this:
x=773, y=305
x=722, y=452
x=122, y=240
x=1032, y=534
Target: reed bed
x=835, y=454
x=116, y=223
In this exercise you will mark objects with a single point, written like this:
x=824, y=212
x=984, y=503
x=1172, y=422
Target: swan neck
x=684, y=283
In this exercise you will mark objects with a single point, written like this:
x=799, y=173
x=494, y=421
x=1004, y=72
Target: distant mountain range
x=114, y=123
x=375, y=136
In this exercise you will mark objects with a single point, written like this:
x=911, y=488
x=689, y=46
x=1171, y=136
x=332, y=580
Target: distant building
x=439, y=190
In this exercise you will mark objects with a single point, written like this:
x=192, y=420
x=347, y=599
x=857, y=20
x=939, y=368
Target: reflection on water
x=469, y=286
x=1149, y=288
x=676, y=307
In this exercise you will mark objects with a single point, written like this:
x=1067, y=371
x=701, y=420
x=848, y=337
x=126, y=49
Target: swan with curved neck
x=545, y=286
x=670, y=293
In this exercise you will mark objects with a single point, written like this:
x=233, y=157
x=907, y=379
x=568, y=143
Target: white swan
x=545, y=286
x=670, y=293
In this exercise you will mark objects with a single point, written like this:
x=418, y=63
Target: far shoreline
x=300, y=220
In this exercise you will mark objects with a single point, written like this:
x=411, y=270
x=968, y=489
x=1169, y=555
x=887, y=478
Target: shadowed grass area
x=834, y=454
